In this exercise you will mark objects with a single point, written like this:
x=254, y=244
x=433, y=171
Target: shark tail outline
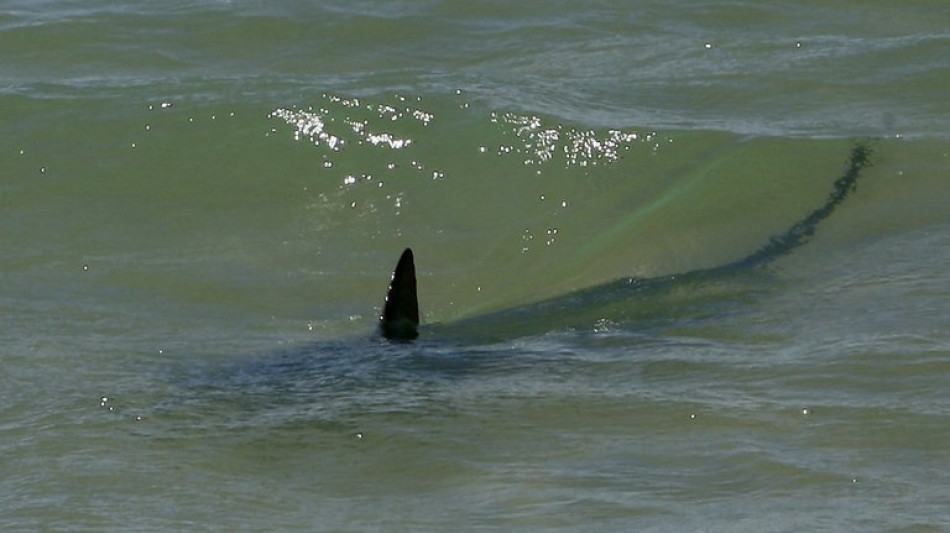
x=804, y=229
x=400, y=317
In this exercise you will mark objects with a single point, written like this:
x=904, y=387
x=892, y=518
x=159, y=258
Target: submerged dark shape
x=400, y=317
x=802, y=230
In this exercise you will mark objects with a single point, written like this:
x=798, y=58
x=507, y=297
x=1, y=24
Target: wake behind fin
x=400, y=317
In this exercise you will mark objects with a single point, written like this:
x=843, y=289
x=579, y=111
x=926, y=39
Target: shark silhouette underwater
x=399, y=319
x=410, y=361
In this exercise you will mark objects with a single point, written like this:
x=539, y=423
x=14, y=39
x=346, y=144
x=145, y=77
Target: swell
x=507, y=208
x=300, y=211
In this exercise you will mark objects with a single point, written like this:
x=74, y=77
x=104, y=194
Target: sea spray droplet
x=526, y=237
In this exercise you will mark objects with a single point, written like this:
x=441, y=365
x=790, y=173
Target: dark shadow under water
x=334, y=381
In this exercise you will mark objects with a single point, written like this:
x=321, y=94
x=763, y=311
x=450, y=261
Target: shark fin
x=400, y=317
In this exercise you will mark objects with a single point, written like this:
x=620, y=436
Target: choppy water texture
x=201, y=203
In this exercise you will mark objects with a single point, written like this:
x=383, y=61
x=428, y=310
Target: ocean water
x=201, y=203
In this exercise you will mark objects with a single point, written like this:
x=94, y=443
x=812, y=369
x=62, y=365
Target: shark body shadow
x=327, y=382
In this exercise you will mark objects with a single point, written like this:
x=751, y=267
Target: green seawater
x=201, y=204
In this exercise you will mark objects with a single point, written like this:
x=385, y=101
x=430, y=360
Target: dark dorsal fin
x=400, y=317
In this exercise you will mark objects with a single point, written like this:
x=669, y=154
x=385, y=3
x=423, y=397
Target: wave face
x=202, y=202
